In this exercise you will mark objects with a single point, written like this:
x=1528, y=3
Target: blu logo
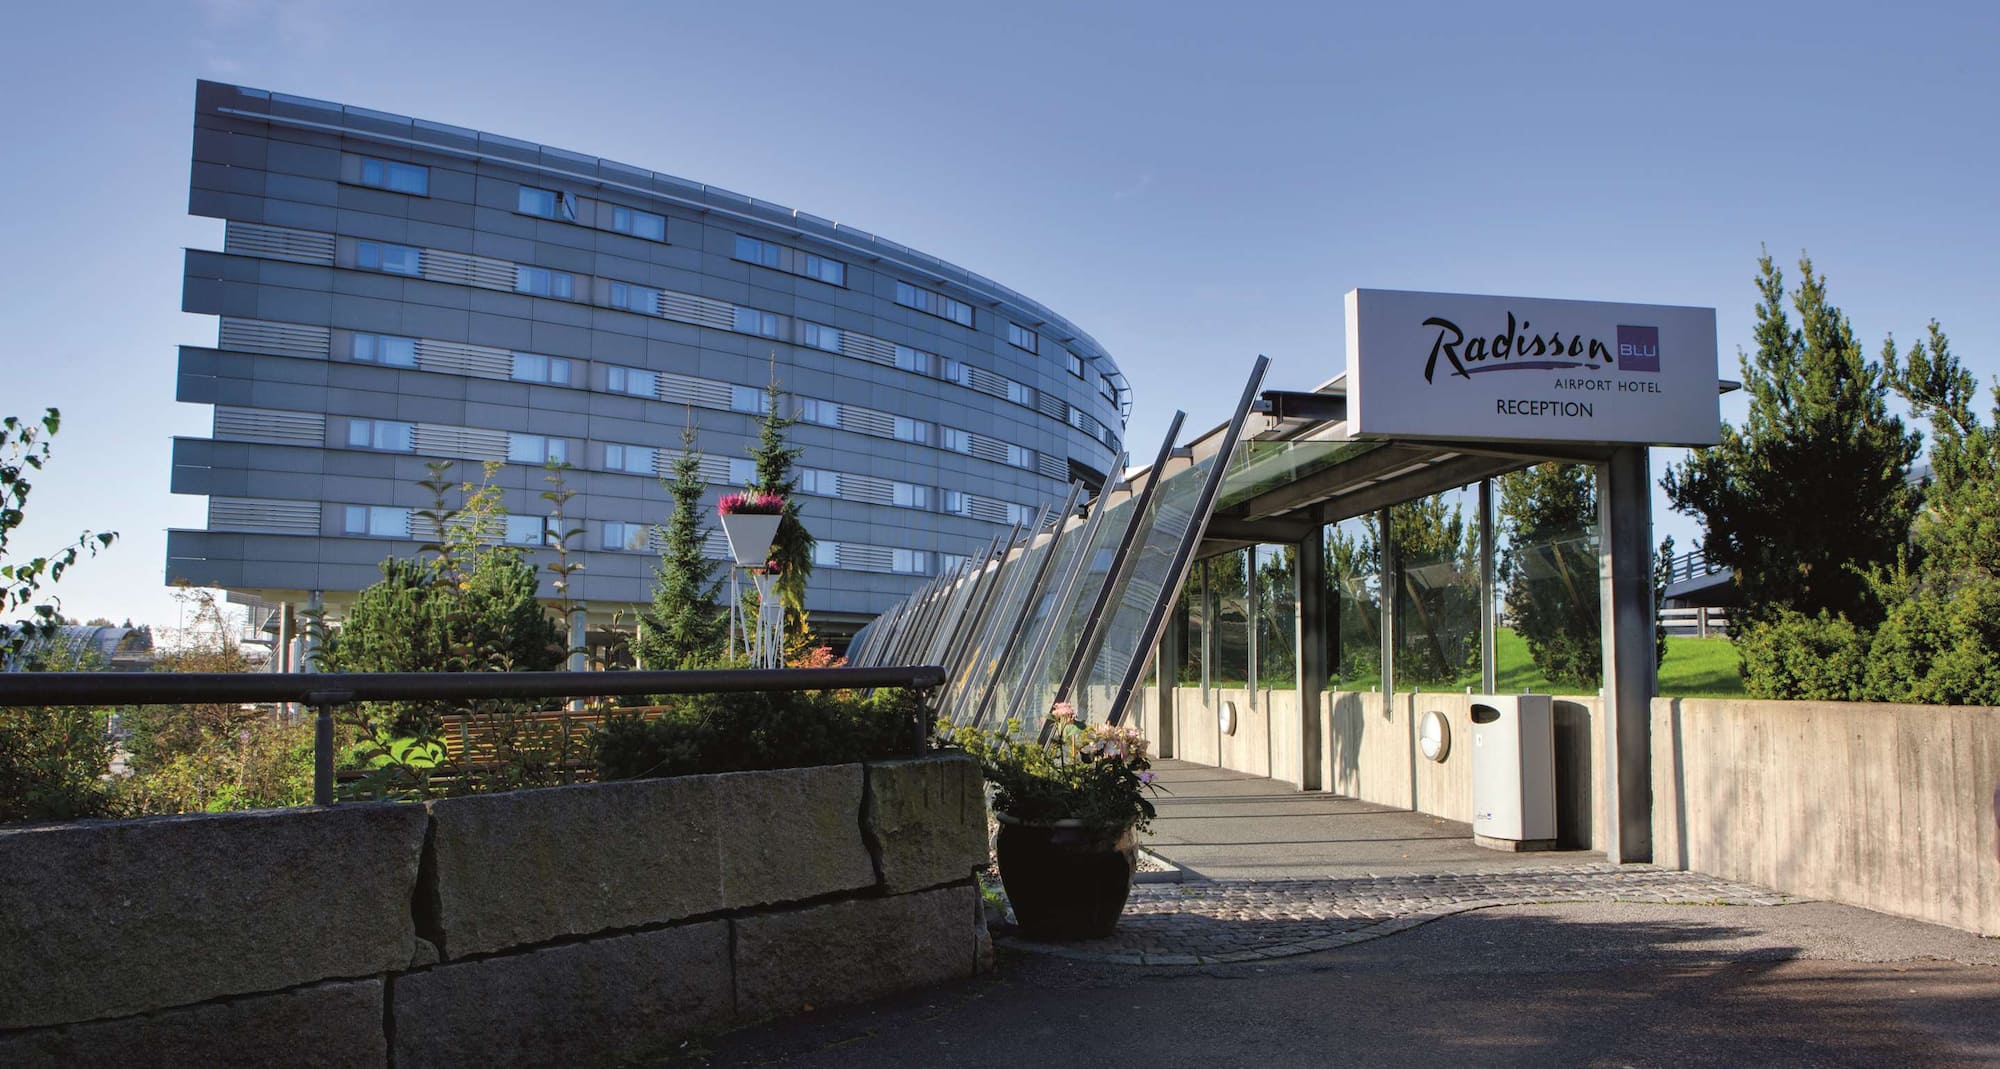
x=1638, y=348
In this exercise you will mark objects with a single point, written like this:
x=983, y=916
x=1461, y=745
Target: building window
x=826, y=554
x=762, y=324
x=393, y=259
x=396, y=177
x=831, y=272
x=748, y=399
x=742, y=471
x=1019, y=456
x=1021, y=337
x=376, y=521
x=819, y=337
x=1105, y=388
x=537, y=449
x=633, y=537
x=639, y=224
x=912, y=430
x=1075, y=363
x=910, y=562
x=391, y=435
x=761, y=253
x=915, y=360
x=936, y=304
x=630, y=459
x=824, y=413
x=547, y=203
x=529, y=531
x=633, y=381
x=542, y=282
x=954, y=439
x=534, y=367
x=1019, y=394
x=386, y=349
x=912, y=496
x=641, y=299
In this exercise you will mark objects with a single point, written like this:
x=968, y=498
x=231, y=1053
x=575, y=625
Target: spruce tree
x=792, y=549
x=684, y=625
x=1812, y=490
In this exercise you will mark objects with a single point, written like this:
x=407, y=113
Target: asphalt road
x=1609, y=985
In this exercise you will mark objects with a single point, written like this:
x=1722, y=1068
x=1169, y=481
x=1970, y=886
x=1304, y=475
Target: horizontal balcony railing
x=324, y=690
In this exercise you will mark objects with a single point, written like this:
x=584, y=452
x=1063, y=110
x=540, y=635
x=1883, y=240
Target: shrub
x=53, y=762
x=741, y=732
x=1937, y=646
x=1807, y=658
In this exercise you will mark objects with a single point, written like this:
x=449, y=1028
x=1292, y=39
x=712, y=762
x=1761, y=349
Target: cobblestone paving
x=1250, y=920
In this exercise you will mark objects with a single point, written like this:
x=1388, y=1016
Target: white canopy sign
x=1455, y=366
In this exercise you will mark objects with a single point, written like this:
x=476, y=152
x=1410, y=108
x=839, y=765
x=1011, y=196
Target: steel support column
x=1309, y=638
x=1625, y=587
x=1488, y=595
x=1388, y=566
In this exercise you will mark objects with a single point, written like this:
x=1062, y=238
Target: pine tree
x=1812, y=490
x=684, y=626
x=793, y=547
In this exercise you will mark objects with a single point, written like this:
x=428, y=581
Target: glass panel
x=1354, y=598
x=1263, y=466
x=1229, y=586
x=1437, y=593
x=1549, y=640
x=1024, y=667
x=1168, y=521
x=1277, y=617
x=1194, y=628
x=1000, y=623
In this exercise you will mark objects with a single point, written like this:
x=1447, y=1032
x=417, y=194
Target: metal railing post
x=323, y=702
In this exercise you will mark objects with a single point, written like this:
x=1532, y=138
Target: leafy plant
x=1099, y=775
x=54, y=760
x=24, y=451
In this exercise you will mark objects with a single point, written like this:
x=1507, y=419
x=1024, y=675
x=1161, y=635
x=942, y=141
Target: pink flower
x=1063, y=713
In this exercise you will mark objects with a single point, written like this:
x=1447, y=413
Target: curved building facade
x=393, y=292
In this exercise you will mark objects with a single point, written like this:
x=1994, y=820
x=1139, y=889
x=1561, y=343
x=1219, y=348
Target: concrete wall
x=576, y=925
x=1883, y=806
x=1369, y=750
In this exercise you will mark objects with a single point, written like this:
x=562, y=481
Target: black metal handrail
x=324, y=690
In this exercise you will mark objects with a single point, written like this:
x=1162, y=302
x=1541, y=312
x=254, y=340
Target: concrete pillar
x=1310, y=632
x=281, y=644
x=1488, y=595
x=1625, y=587
x=579, y=654
x=315, y=631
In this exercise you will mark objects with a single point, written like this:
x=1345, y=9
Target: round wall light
x=1434, y=736
x=1225, y=716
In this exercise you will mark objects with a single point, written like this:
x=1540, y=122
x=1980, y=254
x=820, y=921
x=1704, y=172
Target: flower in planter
x=1099, y=774
x=774, y=567
x=750, y=504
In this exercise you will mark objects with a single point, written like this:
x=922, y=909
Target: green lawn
x=1694, y=668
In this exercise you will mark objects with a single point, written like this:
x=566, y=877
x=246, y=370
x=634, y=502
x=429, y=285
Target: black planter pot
x=1066, y=880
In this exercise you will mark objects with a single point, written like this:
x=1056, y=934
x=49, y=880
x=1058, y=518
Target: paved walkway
x=1276, y=928
x=1272, y=872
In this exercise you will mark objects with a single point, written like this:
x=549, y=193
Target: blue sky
x=1192, y=183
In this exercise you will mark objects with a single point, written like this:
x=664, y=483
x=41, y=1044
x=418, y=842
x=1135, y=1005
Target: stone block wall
x=573, y=926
